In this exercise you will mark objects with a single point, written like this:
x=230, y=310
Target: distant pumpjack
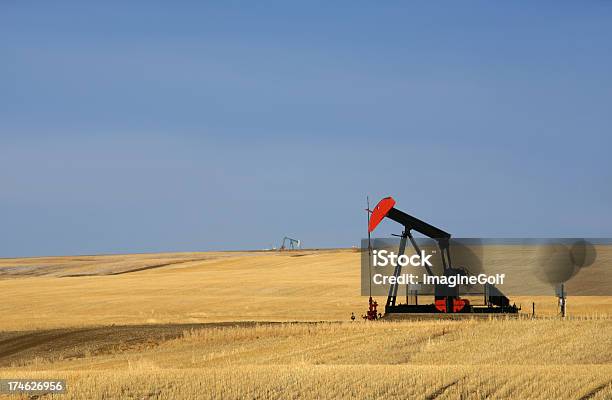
x=292, y=243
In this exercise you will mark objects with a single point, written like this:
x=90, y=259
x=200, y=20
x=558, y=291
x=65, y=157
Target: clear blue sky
x=156, y=126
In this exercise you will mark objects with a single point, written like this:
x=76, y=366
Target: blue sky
x=161, y=127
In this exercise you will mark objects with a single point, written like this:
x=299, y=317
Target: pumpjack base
x=446, y=316
x=431, y=309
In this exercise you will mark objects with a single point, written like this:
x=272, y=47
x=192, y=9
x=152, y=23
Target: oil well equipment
x=446, y=298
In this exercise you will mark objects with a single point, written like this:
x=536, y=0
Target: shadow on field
x=23, y=347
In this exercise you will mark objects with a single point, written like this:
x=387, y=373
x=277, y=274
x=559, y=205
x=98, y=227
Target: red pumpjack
x=447, y=299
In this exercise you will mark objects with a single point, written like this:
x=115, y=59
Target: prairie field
x=276, y=325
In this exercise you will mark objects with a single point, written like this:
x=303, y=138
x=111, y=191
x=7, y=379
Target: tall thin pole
x=562, y=301
x=369, y=248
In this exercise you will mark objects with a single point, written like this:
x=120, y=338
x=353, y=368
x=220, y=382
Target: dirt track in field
x=21, y=348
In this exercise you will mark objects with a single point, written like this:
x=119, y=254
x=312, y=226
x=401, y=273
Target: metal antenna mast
x=372, y=313
x=369, y=246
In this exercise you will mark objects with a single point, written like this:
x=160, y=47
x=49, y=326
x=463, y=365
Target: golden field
x=276, y=325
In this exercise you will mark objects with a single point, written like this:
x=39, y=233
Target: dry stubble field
x=275, y=325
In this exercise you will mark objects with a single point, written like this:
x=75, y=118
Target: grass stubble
x=116, y=336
